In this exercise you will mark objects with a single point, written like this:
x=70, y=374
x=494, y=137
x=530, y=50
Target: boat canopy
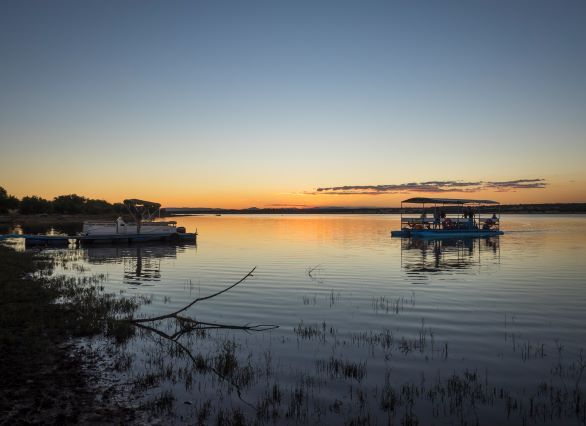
x=142, y=203
x=141, y=210
x=456, y=201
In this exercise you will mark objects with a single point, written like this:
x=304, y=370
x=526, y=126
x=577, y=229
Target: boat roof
x=459, y=201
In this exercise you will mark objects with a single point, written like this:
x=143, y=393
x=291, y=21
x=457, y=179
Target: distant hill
x=551, y=208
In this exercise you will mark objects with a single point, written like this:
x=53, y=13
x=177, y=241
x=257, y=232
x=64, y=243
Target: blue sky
x=254, y=101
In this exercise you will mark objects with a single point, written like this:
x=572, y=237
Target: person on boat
x=436, y=218
x=494, y=218
x=120, y=225
x=470, y=217
x=447, y=223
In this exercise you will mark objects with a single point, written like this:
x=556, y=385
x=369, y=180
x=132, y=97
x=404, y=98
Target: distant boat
x=448, y=218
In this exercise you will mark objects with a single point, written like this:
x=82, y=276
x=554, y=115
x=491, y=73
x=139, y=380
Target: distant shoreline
x=550, y=208
x=569, y=208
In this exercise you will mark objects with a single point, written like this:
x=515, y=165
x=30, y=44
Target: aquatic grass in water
x=338, y=368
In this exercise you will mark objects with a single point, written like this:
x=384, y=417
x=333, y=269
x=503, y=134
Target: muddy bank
x=45, y=375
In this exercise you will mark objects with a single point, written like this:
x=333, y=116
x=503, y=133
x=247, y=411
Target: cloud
x=436, y=186
x=518, y=184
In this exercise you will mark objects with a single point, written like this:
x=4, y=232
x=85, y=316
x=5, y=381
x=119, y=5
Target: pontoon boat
x=449, y=217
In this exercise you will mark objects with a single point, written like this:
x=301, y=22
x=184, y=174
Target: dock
x=65, y=240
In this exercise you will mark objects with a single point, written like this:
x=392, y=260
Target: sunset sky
x=308, y=103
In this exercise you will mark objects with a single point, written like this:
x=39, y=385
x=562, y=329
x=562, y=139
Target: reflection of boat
x=448, y=218
x=101, y=254
x=141, y=263
x=446, y=254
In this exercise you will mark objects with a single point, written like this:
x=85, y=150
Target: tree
x=7, y=202
x=120, y=208
x=35, y=205
x=69, y=204
x=98, y=207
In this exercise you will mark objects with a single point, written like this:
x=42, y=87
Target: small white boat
x=144, y=228
x=449, y=218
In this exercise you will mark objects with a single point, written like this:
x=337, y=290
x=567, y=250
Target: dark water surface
x=371, y=329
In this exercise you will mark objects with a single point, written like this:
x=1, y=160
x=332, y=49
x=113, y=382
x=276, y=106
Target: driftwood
x=310, y=271
x=187, y=324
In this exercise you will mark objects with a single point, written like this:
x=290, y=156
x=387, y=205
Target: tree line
x=63, y=204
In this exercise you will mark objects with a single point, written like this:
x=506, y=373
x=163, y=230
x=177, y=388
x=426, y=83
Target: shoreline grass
x=43, y=377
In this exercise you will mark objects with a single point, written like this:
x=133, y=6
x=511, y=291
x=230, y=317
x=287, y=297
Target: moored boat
x=144, y=228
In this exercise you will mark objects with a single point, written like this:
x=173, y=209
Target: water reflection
x=141, y=262
x=42, y=228
x=436, y=256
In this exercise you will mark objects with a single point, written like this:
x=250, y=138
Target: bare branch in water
x=310, y=270
x=199, y=325
x=187, y=324
x=199, y=299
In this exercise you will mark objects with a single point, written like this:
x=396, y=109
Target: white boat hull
x=116, y=228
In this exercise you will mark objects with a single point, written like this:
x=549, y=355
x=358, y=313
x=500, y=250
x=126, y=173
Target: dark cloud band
x=434, y=187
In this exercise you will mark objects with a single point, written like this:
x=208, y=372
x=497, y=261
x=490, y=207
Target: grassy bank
x=44, y=377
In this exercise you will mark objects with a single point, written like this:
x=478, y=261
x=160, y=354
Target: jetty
x=65, y=240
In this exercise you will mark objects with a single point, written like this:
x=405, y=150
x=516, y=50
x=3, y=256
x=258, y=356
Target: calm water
x=371, y=328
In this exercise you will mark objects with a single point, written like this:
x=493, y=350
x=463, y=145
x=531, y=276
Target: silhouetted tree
x=69, y=204
x=7, y=202
x=35, y=205
x=98, y=207
x=120, y=208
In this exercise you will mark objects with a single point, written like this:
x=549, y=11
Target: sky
x=293, y=103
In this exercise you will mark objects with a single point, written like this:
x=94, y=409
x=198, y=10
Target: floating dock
x=65, y=240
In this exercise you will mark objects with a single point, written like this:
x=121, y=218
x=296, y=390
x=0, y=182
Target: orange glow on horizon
x=178, y=196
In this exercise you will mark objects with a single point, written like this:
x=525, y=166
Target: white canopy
x=457, y=201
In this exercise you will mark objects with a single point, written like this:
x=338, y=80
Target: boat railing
x=113, y=222
x=451, y=219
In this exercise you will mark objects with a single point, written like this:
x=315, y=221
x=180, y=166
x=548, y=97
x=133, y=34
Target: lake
x=371, y=329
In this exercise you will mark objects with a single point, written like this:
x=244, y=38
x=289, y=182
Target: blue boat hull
x=64, y=240
x=135, y=238
x=445, y=233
